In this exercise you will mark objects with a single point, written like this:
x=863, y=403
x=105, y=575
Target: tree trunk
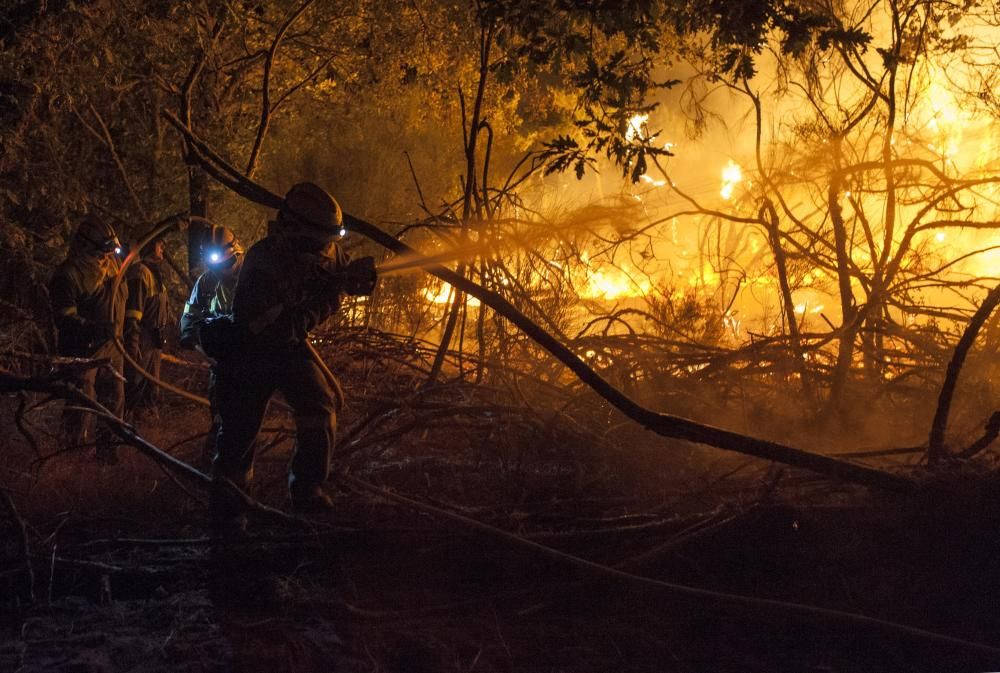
x=848, y=323
x=449, y=330
x=935, y=446
x=198, y=206
x=769, y=215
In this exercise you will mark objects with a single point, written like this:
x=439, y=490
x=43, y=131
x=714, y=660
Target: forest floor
x=126, y=577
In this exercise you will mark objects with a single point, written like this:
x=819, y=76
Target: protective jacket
x=211, y=297
x=286, y=290
x=86, y=314
x=145, y=330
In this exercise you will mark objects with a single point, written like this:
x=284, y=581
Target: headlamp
x=343, y=232
x=107, y=245
x=220, y=258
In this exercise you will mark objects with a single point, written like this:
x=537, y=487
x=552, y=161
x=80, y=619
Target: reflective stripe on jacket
x=147, y=297
x=80, y=293
x=210, y=297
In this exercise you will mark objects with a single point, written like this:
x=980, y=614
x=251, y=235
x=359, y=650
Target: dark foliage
x=611, y=53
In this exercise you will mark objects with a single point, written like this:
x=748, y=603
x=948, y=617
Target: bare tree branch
x=265, y=104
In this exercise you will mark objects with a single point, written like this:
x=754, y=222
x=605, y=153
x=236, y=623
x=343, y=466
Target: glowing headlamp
x=110, y=245
x=343, y=232
x=220, y=257
x=105, y=245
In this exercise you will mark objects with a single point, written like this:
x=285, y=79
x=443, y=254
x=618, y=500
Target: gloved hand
x=360, y=276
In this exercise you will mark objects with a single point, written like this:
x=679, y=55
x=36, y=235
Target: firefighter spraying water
x=290, y=282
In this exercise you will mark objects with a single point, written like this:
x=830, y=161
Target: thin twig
x=265, y=104
x=22, y=401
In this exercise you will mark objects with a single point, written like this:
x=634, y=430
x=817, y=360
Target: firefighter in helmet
x=146, y=316
x=291, y=281
x=88, y=315
x=211, y=298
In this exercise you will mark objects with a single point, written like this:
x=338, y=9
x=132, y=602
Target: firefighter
x=291, y=281
x=146, y=315
x=88, y=316
x=212, y=297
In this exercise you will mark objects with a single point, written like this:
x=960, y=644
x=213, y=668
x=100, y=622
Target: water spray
x=416, y=261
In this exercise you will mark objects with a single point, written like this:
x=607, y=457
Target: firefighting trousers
x=106, y=387
x=242, y=391
x=208, y=450
x=140, y=392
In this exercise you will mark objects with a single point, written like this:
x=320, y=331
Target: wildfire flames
x=732, y=175
x=734, y=261
x=609, y=283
